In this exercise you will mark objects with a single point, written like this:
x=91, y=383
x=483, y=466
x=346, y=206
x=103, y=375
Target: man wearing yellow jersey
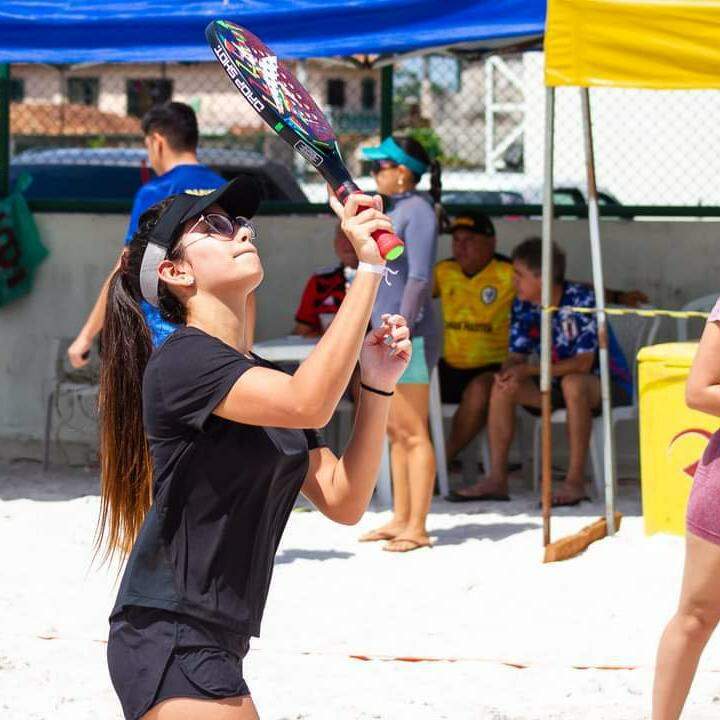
x=476, y=290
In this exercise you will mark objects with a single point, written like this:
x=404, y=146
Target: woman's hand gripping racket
x=287, y=107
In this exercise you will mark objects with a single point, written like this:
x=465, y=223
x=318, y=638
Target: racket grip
x=390, y=245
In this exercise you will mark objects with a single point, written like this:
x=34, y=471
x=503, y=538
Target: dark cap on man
x=474, y=221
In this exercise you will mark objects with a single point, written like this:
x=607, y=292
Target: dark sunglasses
x=379, y=165
x=223, y=226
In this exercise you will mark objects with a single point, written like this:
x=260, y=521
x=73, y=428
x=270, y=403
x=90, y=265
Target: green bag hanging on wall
x=21, y=250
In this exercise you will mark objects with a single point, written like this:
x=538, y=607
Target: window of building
x=368, y=89
x=83, y=90
x=336, y=93
x=17, y=89
x=143, y=94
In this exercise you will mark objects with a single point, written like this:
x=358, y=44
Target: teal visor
x=390, y=150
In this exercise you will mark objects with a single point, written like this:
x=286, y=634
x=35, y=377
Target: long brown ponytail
x=436, y=195
x=416, y=149
x=125, y=463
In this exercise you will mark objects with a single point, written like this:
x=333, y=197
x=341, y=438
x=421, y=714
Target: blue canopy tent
x=74, y=32
x=56, y=31
x=103, y=31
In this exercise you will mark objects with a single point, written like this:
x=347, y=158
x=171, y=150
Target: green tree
x=429, y=139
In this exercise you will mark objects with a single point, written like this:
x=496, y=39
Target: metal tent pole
x=599, y=284
x=386, y=101
x=4, y=129
x=545, y=328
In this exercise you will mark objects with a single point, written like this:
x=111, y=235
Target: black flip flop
x=452, y=496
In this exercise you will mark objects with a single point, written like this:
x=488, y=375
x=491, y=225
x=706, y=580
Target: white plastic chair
x=437, y=433
x=632, y=332
x=340, y=427
x=384, y=486
x=383, y=489
x=81, y=385
x=479, y=447
x=702, y=304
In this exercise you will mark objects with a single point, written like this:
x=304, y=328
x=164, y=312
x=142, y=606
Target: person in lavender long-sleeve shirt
x=698, y=611
x=398, y=164
x=410, y=291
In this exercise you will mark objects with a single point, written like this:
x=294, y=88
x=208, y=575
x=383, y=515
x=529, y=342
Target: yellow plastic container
x=672, y=437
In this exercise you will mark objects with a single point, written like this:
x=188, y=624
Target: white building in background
x=651, y=147
x=351, y=96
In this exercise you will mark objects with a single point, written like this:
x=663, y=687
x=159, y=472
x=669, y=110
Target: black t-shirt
x=222, y=491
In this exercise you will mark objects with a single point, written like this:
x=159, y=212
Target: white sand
x=480, y=597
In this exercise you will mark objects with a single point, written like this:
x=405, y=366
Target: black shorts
x=154, y=655
x=453, y=381
x=618, y=398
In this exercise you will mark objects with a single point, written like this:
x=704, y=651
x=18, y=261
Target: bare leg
x=687, y=633
x=408, y=427
x=501, y=428
x=401, y=487
x=237, y=708
x=471, y=414
x=582, y=395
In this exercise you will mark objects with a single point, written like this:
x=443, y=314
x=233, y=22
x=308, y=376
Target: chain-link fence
x=76, y=129
x=486, y=119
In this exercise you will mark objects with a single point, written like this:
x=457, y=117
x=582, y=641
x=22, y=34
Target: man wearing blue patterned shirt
x=576, y=384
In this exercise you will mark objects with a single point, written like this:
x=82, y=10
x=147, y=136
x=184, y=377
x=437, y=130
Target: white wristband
x=383, y=270
x=368, y=267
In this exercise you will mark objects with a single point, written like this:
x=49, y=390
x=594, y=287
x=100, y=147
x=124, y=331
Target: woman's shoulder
x=188, y=347
x=420, y=202
x=414, y=210
x=190, y=367
x=410, y=201
x=182, y=337
x=176, y=349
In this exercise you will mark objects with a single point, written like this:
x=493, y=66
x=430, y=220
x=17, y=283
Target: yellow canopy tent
x=660, y=45
x=653, y=44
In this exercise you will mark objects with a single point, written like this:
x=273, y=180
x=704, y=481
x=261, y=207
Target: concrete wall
x=672, y=262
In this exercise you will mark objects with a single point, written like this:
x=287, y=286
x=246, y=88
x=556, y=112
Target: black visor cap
x=240, y=196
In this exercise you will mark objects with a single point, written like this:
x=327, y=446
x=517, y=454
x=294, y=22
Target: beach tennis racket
x=289, y=109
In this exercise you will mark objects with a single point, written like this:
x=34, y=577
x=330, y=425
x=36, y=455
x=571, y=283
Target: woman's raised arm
x=308, y=398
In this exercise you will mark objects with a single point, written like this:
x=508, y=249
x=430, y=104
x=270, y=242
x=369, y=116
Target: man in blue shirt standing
x=171, y=138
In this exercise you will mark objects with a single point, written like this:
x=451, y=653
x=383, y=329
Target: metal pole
x=386, y=101
x=599, y=284
x=545, y=328
x=4, y=129
x=489, y=117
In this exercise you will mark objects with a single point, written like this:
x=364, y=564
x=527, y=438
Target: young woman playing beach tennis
x=398, y=165
x=205, y=446
x=698, y=612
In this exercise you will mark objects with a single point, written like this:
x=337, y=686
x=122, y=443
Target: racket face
x=270, y=87
x=288, y=108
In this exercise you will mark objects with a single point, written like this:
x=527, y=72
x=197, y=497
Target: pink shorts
x=703, y=511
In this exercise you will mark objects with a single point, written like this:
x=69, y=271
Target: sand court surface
x=474, y=628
